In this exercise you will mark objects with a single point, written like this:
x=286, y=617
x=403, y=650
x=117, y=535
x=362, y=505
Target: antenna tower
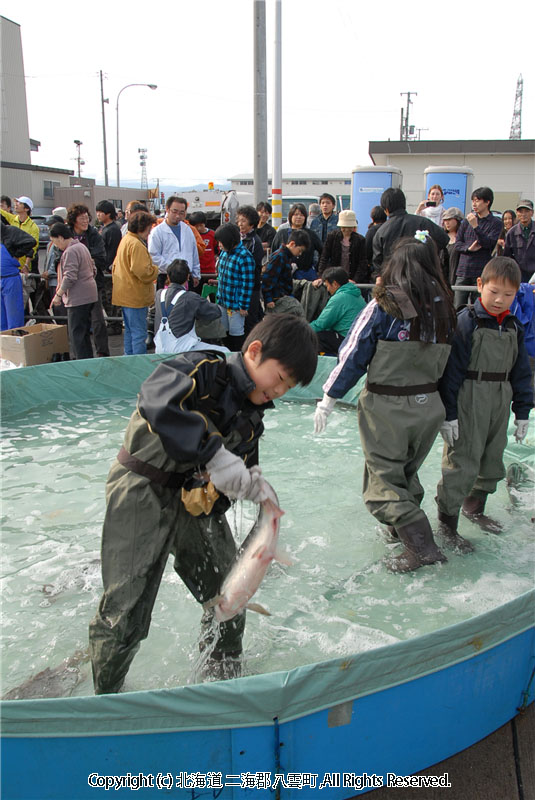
x=143, y=163
x=516, y=122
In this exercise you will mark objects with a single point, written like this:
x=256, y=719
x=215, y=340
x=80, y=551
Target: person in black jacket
x=487, y=374
x=297, y=217
x=399, y=225
x=190, y=447
x=78, y=219
x=345, y=248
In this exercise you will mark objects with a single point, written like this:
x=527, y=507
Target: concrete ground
x=500, y=767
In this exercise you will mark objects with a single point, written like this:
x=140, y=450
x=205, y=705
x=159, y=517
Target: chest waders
x=472, y=468
x=400, y=413
x=145, y=523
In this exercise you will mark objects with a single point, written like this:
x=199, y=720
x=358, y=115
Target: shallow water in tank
x=337, y=598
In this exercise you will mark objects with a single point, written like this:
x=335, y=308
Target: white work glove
x=449, y=431
x=230, y=476
x=521, y=426
x=323, y=409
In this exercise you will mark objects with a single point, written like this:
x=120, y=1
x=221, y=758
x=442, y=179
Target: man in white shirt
x=174, y=239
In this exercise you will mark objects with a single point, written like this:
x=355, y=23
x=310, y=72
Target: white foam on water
x=336, y=599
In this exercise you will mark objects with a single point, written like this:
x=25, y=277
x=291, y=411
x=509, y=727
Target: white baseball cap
x=26, y=201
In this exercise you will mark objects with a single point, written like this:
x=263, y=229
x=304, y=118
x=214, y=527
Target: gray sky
x=344, y=65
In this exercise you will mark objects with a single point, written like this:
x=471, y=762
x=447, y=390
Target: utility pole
x=404, y=128
x=260, y=103
x=102, y=101
x=276, y=181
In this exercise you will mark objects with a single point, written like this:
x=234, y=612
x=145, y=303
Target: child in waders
x=402, y=340
x=198, y=416
x=488, y=369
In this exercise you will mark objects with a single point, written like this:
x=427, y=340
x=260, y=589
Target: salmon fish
x=259, y=549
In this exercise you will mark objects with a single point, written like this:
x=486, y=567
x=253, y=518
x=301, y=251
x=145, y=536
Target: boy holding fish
x=199, y=416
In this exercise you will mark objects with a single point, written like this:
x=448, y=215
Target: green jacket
x=341, y=310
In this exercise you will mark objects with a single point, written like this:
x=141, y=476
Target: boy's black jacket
x=198, y=399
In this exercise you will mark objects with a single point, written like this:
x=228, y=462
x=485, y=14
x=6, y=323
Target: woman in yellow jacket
x=133, y=275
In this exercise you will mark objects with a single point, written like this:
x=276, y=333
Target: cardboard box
x=36, y=345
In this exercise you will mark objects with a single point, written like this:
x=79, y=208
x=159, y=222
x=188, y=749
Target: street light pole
x=102, y=101
x=150, y=86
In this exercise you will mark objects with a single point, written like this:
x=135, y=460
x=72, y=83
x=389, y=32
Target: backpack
x=165, y=341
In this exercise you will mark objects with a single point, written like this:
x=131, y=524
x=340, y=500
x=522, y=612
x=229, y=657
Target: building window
x=246, y=183
x=347, y=183
x=320, y=183
x=48, y=188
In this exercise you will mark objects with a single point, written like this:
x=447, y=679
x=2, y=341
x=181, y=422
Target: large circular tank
x=397, y=707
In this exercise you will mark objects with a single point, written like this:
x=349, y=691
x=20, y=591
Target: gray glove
x=323, y=410
x=449, y=431
x=230, y=476
x=521, y=426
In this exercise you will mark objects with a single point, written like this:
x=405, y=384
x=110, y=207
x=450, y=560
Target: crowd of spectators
x=249, y=267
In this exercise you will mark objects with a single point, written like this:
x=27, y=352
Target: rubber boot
x=420, y=548
x=473, y=508
x=447, y=528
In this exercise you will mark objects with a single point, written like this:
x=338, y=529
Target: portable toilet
x=367, y=186
x=456, y=182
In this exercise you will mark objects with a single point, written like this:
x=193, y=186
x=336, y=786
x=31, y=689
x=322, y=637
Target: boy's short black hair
x=299, y=237
x=106, y=207
x=483, y=193
x=327, y=196
x=178, y=271
x=196, y=217
x=228, y=235
x=337, y=274
x=250, y=213
x=502, y=269
x=393, y=200
x=264, y=206
x=290, y=340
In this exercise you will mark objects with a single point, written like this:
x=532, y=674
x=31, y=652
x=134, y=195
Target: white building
x=309, y=185
x=506, y=165
x=19, y=175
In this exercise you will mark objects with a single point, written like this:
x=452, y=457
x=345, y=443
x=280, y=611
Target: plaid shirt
x=487, y=234
x=277, y=279
x=236, y=276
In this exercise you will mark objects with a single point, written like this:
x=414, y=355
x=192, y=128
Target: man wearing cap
x=21, y=219
x=520, y=240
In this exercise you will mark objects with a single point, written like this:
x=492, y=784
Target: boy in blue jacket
x=487, y=372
